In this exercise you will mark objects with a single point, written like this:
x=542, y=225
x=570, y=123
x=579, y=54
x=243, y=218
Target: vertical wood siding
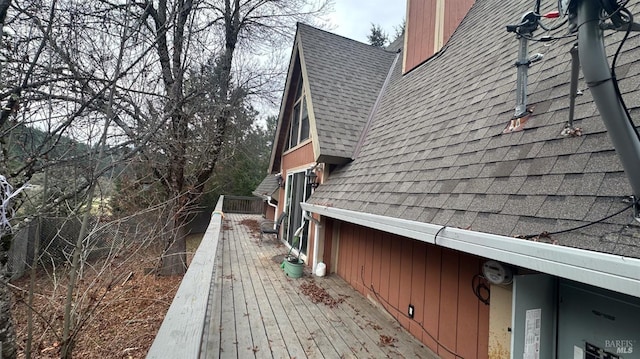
x=269, y=212
x=421, y=28
x=454, y=12
x=420, y=32
x=298, y=157
x=436, y=281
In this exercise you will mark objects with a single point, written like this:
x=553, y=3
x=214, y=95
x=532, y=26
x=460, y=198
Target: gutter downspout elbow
x=269, y=198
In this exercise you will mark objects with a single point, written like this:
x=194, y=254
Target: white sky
x=353, y=18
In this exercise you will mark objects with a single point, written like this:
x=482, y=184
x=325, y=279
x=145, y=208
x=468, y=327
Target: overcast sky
x=353, y=18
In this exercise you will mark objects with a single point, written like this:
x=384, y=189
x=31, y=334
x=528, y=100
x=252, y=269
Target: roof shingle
x=443, y=123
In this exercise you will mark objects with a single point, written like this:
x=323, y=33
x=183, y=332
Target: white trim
x=617, y=273
x=438, y=40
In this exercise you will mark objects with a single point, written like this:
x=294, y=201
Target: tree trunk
x=174, y=258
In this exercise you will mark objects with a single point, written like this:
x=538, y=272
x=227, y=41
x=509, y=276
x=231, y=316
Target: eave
x=617, y=273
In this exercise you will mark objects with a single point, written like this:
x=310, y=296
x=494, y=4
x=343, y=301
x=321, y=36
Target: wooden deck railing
x=241, y=204
x=181, y=332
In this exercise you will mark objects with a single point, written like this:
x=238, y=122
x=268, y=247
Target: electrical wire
x=547, y=234
x=615, y=12
x=435, y=237
x=477, y=289
x=382, y=300
x=622, y=9
x=548, y=38
x=556, y=27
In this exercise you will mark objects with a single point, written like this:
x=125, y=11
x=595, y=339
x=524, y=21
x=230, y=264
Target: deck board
x=257, y=311
x=228, y=334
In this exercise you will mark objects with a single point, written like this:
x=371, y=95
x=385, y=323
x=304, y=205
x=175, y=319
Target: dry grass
x=127, y=303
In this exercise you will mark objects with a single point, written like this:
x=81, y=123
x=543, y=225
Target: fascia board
x=617, y=273
x=313, y=130
x=283, y=104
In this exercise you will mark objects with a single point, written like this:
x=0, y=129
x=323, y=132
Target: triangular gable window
x=299, y=130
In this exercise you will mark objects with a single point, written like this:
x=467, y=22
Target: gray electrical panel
x=595, y=323
x=533, y=317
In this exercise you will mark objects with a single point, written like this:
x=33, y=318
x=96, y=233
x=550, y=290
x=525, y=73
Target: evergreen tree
x=377, y=37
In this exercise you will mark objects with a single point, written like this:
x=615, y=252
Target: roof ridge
x=371, y=116
x=360, y=43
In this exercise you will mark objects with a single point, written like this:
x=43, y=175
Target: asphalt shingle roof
x=345, y=77
x=267, y=187
x=435, y=151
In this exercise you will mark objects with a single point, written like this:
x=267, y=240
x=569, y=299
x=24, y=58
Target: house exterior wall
x=396, y=272
x=299, y=156
x=293, y=160
x=430, y=24
x=500, y=322
x=269, y=212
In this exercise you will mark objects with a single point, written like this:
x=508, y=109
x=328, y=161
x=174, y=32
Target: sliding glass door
x=297, y=191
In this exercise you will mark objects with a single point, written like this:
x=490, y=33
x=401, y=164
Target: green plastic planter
x=293, y=267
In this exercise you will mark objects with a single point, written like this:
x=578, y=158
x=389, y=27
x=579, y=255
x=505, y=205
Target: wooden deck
x=257, y=311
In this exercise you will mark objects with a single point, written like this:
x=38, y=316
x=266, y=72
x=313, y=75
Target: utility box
x=595, y=323
x=559, y=318
x=534, y=316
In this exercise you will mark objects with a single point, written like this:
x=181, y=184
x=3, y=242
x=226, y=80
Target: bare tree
x=243, y=24
x=55, y=88
x=88, y=85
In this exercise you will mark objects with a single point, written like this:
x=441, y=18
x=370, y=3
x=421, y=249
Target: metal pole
x=523, y=68
x=597, y=75
x=575, y=69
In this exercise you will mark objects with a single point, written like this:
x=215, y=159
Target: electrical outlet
x=411, y=310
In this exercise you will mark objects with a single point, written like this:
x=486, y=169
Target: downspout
x=275, y=206
x=305, y=219
x=298, y=233
x=597, y=75
x=316, y=246
x=316, y=237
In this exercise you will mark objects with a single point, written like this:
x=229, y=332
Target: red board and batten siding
x=297, y=157
x=421, y=27
x=436, y=281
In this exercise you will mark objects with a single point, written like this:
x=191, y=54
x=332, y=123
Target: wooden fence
x=240, y=204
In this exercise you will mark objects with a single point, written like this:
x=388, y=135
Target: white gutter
x=617, y=273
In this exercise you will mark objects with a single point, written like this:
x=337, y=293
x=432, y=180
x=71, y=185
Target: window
x=299, y=129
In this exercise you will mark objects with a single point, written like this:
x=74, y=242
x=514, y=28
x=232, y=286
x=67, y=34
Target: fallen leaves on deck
x=252, y=225
x=318, y=294
x=386, y=340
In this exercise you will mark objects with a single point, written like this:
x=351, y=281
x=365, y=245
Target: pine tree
x=377, y=37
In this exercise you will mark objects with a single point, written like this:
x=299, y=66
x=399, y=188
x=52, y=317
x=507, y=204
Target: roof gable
x=342, y=80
